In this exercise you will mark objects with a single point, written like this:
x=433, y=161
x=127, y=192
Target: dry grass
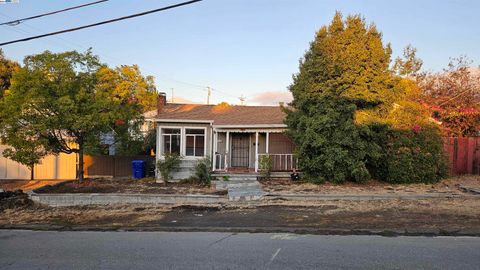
x=451, y=185
x=84, y=215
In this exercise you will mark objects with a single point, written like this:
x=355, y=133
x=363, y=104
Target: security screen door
x=240, y=149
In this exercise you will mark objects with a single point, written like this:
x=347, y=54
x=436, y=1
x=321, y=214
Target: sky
x=248, y=48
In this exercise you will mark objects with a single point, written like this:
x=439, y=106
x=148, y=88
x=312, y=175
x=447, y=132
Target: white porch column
x=227, y=150
x=267, y=134
x=215, y=143
x=256, y=151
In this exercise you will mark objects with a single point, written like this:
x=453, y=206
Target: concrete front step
x=245, y=191
x=231, y=176
x=247, y=195
x=240, y=187
x=244, y=184
x=245, y=198
x=234, y=184
x=230, y=179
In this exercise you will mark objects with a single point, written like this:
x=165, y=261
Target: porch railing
x=219, y=162
x=281, y=162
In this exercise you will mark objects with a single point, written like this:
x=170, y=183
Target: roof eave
x=163, y=120
x=252, y=126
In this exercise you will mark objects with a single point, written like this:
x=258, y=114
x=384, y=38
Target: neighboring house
x=148, y=124
x=235, y=137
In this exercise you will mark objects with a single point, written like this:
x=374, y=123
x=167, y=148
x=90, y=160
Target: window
x=195, y=142
x=171, y=140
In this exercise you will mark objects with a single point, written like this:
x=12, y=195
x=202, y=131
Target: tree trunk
x=80, y=160
x=32, y=176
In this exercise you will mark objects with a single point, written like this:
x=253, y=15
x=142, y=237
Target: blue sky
x=238, y=47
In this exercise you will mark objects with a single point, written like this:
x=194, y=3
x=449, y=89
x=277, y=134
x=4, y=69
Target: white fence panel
x=10, y=169
x=51, y=167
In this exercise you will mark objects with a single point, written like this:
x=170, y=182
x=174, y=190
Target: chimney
x=161, y=102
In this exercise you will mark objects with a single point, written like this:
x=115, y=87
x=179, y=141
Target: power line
x=74, y=45
x=103, y=22
x=16, y=22
x=119, y=61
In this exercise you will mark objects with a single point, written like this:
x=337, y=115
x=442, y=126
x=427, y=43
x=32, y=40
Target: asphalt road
x=199, y=250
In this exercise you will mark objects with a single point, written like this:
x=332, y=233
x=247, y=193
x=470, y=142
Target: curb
x=470, y=190
x=370, y=197
x=76, y=199
x=295, y=230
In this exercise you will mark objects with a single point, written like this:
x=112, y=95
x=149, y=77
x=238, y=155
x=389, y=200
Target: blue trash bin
x=138, y=167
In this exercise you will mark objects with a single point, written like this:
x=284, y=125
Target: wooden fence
x=112, y=166
x=463, y=155
x=64, y=167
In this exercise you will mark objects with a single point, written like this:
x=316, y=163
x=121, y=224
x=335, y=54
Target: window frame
x=162, y=141
x=194, y=141
x=183, y=141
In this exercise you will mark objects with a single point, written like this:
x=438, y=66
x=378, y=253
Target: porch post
x=256, y=151
x=267, y=141
x=215, y=140
x=227, y=150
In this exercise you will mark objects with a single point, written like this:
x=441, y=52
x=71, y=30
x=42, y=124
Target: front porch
x=240, y=150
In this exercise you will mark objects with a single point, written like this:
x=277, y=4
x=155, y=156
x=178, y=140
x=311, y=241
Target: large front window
x=195, y=142
x=171, y=140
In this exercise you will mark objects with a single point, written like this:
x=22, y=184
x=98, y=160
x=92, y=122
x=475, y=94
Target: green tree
x=7, y=68
x=59, y=98
x=25, y=145
x=345, y=69
x=128, y=81
x=128, y=84
x=410, y=65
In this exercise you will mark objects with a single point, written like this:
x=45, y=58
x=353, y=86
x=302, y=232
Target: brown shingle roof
x=224, y=114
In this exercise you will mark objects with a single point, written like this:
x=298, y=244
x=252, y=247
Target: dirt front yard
x=149, y=186
x=458, y=215
x=25, y=185
x=451, y=185
x=452, y=216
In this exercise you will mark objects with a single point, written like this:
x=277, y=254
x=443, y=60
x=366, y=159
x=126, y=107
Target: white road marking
x=275, y=255
x=284, y=236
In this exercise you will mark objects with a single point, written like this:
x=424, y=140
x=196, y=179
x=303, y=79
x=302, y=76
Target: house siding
x=188, y=163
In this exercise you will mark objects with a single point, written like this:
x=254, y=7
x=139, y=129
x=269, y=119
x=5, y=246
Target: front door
x=240, y=149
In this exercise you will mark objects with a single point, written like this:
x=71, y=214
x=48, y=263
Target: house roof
x=224, y=114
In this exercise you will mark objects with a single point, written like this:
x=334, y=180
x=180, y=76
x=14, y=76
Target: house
x=235, y=137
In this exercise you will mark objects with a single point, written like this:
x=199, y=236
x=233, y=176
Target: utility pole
x=242, y=99
x=172, y=96
x=209, y=90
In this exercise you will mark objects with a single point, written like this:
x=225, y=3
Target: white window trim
x=183, y=140
x=162, y=151
x=184, y=148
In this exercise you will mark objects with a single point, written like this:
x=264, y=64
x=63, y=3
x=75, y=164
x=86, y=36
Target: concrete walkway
x=241, y=187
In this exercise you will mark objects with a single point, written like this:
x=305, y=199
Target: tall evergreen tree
x=346, y=68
